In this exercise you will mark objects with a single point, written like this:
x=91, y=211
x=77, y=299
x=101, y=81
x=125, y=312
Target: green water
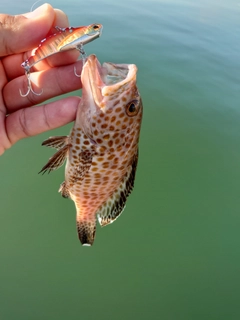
x=174, y=254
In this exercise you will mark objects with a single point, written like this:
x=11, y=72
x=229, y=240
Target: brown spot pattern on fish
x=102, y=150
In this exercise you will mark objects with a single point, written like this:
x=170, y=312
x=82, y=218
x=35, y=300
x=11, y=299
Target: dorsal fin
x=56, y=160
x=56, y=142
x=114, y=206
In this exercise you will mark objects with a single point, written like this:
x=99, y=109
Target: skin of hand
x=19, y=35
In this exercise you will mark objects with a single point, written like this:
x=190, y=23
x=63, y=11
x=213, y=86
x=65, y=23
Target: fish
x=101, y=151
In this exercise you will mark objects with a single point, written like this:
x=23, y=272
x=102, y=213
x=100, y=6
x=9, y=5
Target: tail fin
x=86, y=231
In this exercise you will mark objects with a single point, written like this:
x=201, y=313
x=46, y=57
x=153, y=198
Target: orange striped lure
x=63, y=40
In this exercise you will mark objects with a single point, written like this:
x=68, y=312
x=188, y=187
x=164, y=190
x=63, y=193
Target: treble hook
x=30, y=89
x=83, y=57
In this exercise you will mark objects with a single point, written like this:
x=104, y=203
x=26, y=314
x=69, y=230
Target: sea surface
x=174, y=254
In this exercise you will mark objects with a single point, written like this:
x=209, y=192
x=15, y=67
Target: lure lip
x=108, y=78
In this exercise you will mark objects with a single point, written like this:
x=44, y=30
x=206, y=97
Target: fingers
x=51, y=83
x=24, y=32
x=32, y=121
x=19, y=34
x=15, y=31
x=60, y=20
x=13, y=68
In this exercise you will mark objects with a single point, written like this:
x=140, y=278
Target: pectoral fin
x=114, y=206
x=56, y=160
x=56, y=142
x=64, y=190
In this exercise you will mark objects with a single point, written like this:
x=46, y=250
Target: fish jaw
x=108, y=89
x=108, y=80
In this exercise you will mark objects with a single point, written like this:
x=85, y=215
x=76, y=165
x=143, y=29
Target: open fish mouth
x=107, y=80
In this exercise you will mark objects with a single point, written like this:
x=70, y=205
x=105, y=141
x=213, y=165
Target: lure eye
x=132, y=108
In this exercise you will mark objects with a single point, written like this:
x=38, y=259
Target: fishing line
x=34, y=5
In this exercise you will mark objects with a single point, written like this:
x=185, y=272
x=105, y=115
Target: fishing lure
x=63, y=40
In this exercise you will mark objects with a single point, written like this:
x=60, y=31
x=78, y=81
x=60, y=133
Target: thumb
x=23, y=32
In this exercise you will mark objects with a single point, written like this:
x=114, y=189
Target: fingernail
x=37, y=12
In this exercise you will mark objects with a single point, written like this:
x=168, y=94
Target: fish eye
x=132, y=108
x=95, y=27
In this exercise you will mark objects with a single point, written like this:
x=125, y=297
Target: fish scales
x=102, y=148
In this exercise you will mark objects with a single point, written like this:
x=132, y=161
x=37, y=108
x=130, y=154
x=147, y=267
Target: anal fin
x=56, y=160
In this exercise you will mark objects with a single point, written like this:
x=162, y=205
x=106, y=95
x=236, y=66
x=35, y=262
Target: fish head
x=111, y=104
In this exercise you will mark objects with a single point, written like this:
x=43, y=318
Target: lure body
x=65, y=39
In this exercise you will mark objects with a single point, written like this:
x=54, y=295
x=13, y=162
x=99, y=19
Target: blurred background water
x=175, y=251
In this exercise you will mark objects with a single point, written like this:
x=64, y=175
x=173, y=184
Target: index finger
x=21, y=33
x=13, y=68
x=49, y=83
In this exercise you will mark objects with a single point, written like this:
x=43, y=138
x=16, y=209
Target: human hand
x=18, y=118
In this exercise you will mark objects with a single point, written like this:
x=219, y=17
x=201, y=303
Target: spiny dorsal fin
x=56, y=160
x=114, y=206
x=56, y=142
x=86, y=231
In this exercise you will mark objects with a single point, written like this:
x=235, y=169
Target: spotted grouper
x=102, y=148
